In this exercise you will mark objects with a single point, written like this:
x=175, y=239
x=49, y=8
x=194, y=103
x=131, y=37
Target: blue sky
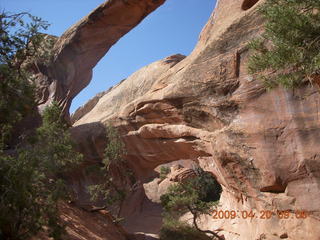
x=173, y=28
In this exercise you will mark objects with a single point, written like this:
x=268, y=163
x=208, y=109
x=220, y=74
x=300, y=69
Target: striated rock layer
x=83, y=225
x=262, y=146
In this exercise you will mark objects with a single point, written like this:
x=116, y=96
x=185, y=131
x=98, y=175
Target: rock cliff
x=263, y=146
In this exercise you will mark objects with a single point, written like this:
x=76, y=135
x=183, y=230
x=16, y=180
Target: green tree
x=54, y=145
x=21, y=46
x=32, y=171
x=117, y=175
x=288, y=53
x=32, y=180
x=195, y=195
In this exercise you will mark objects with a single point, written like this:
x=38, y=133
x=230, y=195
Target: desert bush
x=31, y=171
x=117, y=176
x=164, y=171
x=32, y=180
x=173, y=230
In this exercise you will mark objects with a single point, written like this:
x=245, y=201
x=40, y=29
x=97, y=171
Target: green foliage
x=31, y=180
x=21, y=45
x=174, y=230
x=115, y=148
x=20, y=37
x=289, y=49
x=31, y=173
x=28, y=200
x=54, y=145
x=164, y=171
x=113, y=190
x=196, y=195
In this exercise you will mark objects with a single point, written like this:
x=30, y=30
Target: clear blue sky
x=173, y=28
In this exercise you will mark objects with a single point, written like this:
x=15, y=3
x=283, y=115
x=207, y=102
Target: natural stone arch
x=82, y=46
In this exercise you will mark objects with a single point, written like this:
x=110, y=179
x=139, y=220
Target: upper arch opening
x=247, y=4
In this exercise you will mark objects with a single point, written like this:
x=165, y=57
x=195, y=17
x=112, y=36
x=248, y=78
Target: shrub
x=116, y=174
x=199, y=193
x=164, y=171
x=20, y=44
x=32, y=182
x=174, y=230
x=31, y=172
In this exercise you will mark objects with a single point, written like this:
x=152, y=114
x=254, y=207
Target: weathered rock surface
x=263, y=146
x=83, y=110
x=80, y=48
x=128, y=90
x=84, y=225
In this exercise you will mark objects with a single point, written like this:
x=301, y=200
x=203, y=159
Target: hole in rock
x=247, y=4
x=184, y=172
x=149, y=218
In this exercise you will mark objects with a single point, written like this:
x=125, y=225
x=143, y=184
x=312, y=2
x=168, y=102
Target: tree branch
x=195, y=216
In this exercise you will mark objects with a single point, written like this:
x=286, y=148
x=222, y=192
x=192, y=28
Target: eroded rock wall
x=262, y=145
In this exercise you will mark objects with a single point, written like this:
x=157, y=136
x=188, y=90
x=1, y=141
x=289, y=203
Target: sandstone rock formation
x=262, y=145
x=80, y=48
x=74, y=55
x=84, y=225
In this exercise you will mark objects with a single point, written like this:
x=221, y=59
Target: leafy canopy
x=289, y=49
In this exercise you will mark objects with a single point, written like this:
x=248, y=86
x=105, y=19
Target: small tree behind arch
x=197, y=195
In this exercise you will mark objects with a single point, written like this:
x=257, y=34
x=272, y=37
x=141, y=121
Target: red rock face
x=262, y=145
x=82, y=225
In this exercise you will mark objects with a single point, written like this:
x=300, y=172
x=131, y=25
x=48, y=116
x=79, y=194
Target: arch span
x=80, y=48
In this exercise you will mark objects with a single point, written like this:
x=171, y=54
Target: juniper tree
x=117, y=176
x=32, y=180
x=32, y=171
x=195, y=195
x=21, y=45
x=288, y=53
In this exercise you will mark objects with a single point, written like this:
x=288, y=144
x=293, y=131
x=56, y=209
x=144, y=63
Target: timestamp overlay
x=262, y=214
